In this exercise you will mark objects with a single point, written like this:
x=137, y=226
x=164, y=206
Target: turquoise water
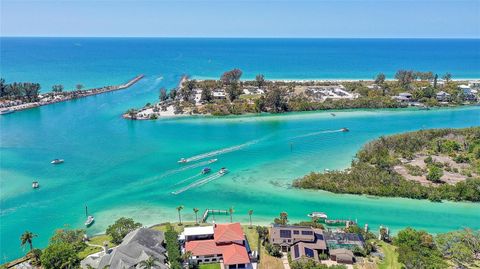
x=129, y=168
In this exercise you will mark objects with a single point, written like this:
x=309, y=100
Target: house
x=219, y=94
x=468, y=93
x=341, y=239
x=404, y=97
x=300, y=241
x=443, y=96
x=342, y=255
x=226, y=244
x=136, y=247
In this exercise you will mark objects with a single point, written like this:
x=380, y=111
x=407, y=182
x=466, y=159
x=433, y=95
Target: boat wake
x=198, y=183
x=317, y=133
x=187, y=179
x=184, y=168
x=221, y=151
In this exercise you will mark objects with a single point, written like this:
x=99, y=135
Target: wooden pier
x=209, y=212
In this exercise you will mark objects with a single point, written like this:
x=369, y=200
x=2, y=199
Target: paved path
x=285, y=261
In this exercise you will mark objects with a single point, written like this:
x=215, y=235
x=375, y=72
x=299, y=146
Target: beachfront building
x=219, y=94
x=137, y=246
x=253, y=91
x=300, y=241
x=221, y=243
x=468, y=93
x=443, y=96
x=336, y=92
x=404, y=97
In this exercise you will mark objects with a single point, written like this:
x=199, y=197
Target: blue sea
x=129, y=168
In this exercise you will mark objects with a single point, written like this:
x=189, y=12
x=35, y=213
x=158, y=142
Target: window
x=296, y=251
x=296, y=232
x=309, y=253
x=241, y=266
x=206, y=260
x=285, y=233
x=307, y=233
x=232, y=266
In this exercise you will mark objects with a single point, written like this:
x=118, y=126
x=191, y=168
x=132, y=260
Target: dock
x=52, y=98
x=209, y=212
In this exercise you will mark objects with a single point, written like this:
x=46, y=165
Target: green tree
x=283, y=219
x=163, y=94
x=275, y=100
x=435, y=81
x=195, y=210
x=79, y=87
x=380, y=79
x=250, y=213
x=434, y=173
x=447, y=77
x=206, y=95
x=74, y=237
x=260, y=80
x=405, y=77
x=180, y=208
x=172, y=94
x=60, y=256
x=121, y=228
x=27, y=238
x=57, y=88
x=149, y=263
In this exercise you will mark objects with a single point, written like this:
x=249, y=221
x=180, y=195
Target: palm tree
x=284, y=218
x=196, y=215
x=186, y=256
x=27, y=237
x=149, y=263
x=180, y=208
x=230, y=210
x=250, y=212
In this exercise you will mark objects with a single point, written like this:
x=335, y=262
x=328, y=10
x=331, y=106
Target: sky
x=245, y=18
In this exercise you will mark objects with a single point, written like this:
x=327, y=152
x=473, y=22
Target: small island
x=438, y=164
x=230, y=95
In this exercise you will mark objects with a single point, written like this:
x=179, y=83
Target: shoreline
x=71, y=95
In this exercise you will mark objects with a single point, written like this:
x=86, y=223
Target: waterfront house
x=443, y=96
x=219, y=94
x=220, y=243
x=340, y=239
x=468, y=93
x=342, y=255
x=404, y=97
x=300, y=241
x=136, y=247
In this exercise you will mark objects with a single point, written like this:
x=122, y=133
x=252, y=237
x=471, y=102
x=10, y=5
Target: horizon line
x=234, y=37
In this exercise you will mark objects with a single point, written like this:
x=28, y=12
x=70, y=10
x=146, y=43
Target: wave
x=221, y=151
x=317, y=133
x=187, y=179
x=198, y=183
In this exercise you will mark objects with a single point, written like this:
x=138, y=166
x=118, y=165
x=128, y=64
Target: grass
x=252, y=236
x=209, y=266
x=96, y=240
x=391, y=257
x=269, y=262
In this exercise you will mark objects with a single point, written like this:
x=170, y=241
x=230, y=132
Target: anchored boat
x=57, y=161
x=35, y=184
x=319, y=215
x=6, y=111
x=90, y=219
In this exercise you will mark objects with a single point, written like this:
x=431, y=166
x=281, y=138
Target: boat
x=345, y=130
x=319, y=215
x=90, y=219
x=6, y=111
x=57, y=161
x=212, y=160
x=206, y=170
x=182, y=160
x=35, y=184
x=333, y=114
x=223, y=171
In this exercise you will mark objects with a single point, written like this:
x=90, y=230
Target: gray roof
x=136, y=247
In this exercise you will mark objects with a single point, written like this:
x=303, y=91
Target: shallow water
x=129, y=168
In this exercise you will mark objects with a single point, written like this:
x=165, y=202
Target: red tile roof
x=235, y=254
x=228, y=232
x=202, y=247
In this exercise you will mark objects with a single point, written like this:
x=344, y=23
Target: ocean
x=129, y=168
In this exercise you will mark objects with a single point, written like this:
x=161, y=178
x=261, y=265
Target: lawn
x=252, y=236
x=209, y=266
x=391, y=257
x=96, y=240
